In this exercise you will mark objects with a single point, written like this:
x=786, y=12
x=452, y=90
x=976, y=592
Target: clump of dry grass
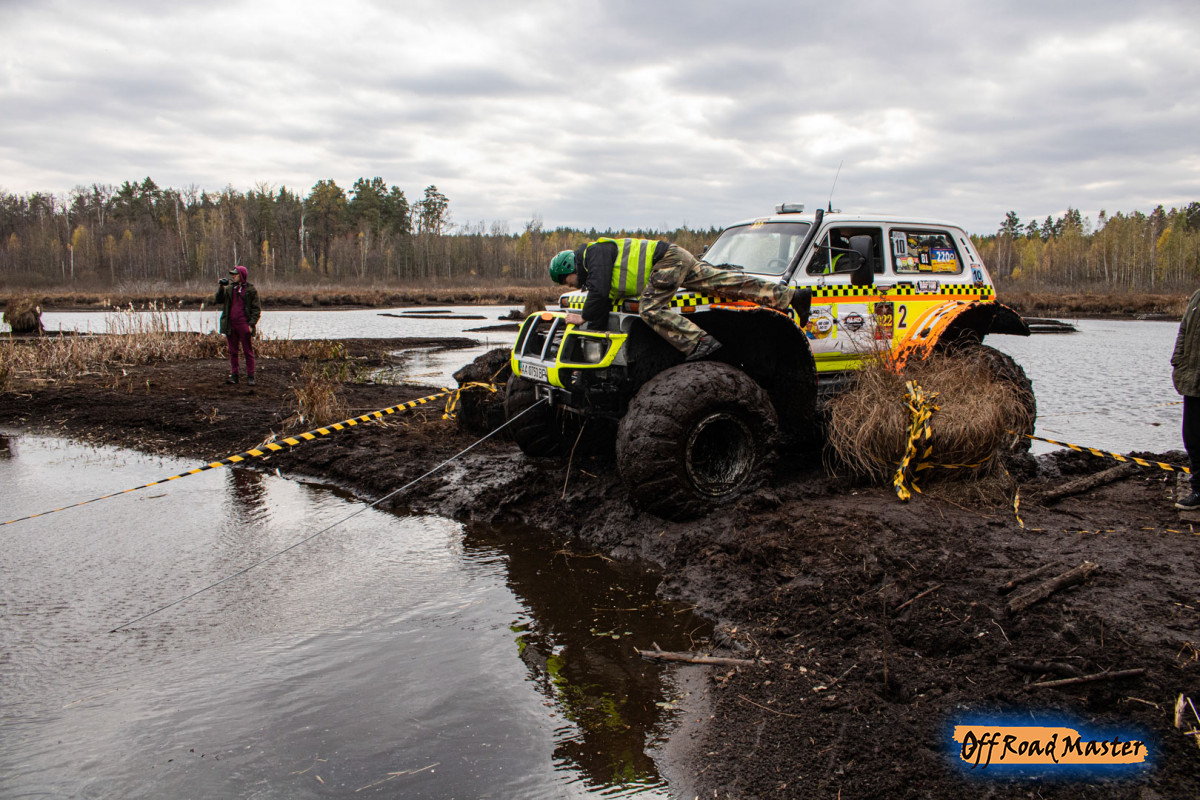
x=317, y=401
x=535, y=302
x=23, y=314
x=869, y=422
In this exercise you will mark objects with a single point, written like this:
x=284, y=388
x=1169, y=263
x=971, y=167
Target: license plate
x=533, y=371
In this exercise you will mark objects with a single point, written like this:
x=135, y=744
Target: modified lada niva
x=692, y=435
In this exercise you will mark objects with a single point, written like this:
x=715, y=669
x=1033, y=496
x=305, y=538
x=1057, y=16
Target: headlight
x=593, y=350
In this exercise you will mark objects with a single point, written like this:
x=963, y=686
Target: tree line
x=1134, y=252
x=109, y=236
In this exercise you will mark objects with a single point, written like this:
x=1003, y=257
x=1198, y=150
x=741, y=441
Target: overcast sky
x=617, y=114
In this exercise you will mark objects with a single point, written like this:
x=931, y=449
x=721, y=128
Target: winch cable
x=265, y=449
x=330, y=527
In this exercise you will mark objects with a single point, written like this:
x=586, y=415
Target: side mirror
x=864, y=273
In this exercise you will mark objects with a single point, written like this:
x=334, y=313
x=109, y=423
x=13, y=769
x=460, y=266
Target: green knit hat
x=562, y=265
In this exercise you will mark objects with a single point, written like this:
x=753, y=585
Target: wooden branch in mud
x=1027, y=577
x=1088, y=483
x=1099, y=676
x=1042, y=667
x=912, y=600
x=1044, y=590
x=694, y=658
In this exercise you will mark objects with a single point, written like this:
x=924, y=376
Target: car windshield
x=762, y=247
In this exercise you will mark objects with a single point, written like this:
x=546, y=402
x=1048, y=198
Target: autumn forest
x=139, y=233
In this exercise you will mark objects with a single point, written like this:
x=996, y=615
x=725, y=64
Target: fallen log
x=1086, y=484
x=1099, y=676
x=1043, y=590
x=1027, y=577
x=694, y=658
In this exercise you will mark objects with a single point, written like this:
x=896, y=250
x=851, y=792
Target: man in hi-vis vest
x=652, y=271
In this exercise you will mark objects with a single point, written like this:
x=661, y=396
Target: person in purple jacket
x=239, y=319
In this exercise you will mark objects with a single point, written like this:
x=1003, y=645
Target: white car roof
x=851, y=219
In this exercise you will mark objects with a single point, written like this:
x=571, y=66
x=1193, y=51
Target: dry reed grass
x=317, y=401
x=23, y=314
x=1076, y=304
x=134, y=338
x=869, y=422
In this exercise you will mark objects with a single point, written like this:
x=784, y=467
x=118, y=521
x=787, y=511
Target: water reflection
x=248, y=494
x=363, y=657
x=586, y=614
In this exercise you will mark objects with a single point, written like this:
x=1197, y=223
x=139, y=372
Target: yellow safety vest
x=635, y=261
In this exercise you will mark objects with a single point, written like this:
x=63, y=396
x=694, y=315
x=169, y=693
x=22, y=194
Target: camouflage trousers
x=679, y=269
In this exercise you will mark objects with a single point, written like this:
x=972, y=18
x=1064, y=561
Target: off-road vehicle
x=692, y=435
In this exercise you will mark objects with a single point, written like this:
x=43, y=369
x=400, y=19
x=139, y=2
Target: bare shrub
x=23, y=314
x=976, y=409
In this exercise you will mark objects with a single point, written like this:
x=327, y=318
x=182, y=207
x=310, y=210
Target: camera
x=224, y=281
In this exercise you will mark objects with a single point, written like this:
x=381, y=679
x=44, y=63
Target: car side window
x=920, y=251
x=835, y=244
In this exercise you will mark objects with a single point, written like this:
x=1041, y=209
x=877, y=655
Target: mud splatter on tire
x=695, y=437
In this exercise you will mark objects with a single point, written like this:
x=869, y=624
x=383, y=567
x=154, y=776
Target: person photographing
x=240, y=311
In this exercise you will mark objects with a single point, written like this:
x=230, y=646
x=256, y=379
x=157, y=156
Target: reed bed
x=869, y=423
x=134, y=337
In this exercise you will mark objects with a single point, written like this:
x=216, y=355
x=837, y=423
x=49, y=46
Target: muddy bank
x=876, y=624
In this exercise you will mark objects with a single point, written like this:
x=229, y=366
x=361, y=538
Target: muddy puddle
x=392, y=656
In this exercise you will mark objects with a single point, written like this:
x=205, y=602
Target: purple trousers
x=239, y=336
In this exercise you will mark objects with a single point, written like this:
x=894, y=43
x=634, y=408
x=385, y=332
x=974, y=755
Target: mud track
x=876, y=624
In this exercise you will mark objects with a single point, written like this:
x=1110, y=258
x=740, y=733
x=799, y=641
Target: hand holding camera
x=224, y=281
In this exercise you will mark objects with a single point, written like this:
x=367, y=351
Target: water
x=1107, y=386
x=393, y=656
x=368, y=323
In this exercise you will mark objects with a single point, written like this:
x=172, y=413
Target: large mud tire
x=695, y=437
x=1004, y=368
x=541, y=432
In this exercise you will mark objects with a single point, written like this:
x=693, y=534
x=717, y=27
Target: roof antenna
x=835, y=179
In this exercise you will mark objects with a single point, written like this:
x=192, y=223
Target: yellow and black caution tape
x=1106, y=454
x=920, y=409
x=264, y=450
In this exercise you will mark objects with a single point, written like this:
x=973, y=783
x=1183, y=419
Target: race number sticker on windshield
x=899, y=243
x=533, y=371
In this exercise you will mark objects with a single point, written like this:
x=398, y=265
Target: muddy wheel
x=694, y=437
x=1006, y=369
x=541, y=432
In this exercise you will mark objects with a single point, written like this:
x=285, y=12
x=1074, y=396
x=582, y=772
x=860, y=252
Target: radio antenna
x=835, y=180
